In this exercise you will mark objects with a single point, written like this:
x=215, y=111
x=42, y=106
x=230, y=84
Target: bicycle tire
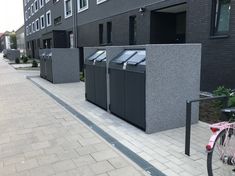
x=210, y=154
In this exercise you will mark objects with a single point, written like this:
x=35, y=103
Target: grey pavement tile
x=101, y=167
x=104, y=155
x=127, y=171
x=40, y=130
x=63, y=165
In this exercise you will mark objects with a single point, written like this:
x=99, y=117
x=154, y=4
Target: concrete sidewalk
x=163, y=150
x=38, y=137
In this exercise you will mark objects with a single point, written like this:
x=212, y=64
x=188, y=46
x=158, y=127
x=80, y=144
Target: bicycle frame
x=216, y=129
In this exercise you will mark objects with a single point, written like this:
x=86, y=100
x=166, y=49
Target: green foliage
x=221, y=90
x=231, y=101
x=17, y=60
x=82, y=77
x=34, y=63
x=13, y=41
x=25, y=59
x=22, y=57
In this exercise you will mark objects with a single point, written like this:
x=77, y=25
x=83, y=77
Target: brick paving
x=164, y=150
x=38, y=137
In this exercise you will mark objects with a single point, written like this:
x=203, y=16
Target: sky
x=11, y=15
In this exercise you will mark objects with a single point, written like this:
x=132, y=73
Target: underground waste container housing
x=42, y=64
x=60, y=65
x=117, y=83
x=148, y=85
x=135, y=76
x=49, y=66
x=96, y=79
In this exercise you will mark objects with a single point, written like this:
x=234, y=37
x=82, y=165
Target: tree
x=13, y=40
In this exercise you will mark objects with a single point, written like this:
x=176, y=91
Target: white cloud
x=11, y=15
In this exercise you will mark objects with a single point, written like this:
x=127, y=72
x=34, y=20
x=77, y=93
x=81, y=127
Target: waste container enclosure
x=12, y=54
x=127, y=87
x=42, y=64
x=48, y=65
x=135, y=75
x=147, y=85
x=60, y=65
x=96, y=79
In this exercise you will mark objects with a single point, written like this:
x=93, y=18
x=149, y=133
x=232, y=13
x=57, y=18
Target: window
x=27, y=30
x=71, y=40
x=132, y=30
x=42, y=21
x=109, y=32
x=25, y=2
x=100, y=1
x=29, y=13
x=47, y=1
x=82, y=5
x=30, y=29
x=57, y=21
x=221, y=17
x=101, y=32
x=26, y=15
x=32, y=10
x=41, y=3
x=48, y=18
x=36, y=6
x=33, y=27
x=67, y=8
x=28, y=45
x=37, y=25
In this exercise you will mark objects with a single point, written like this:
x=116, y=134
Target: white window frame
x=41, y=3
x=47, y=23
x=100, y=1
x=37, y=22
x=29, y=12
x=46, y=1
x=33, y=27
x=42, y=27
x=26, y=15
x=27, y=30
x=65, y=15
x=30, y=29
x=83, y=8
x=55, y=1
x=32, y=9
x=35, y=10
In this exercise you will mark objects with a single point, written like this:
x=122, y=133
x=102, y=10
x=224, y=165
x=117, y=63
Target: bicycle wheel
x=220, y=159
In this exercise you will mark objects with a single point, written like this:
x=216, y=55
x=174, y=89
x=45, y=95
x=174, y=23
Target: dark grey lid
x=137, y=58
x=127, y=54
x=102, y=57
x=97, y=54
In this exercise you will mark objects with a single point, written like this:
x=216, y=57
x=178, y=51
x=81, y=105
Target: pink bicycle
x=221, y=149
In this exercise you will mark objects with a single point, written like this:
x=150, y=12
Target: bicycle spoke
x=222, y=154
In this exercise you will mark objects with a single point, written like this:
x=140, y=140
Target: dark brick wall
x=88, y=34
x=218, y=54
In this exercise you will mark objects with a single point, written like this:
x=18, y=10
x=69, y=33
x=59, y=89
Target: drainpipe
x=75, y=31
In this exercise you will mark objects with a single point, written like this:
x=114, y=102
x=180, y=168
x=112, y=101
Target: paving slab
x=163, y=150
x=34, y=141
